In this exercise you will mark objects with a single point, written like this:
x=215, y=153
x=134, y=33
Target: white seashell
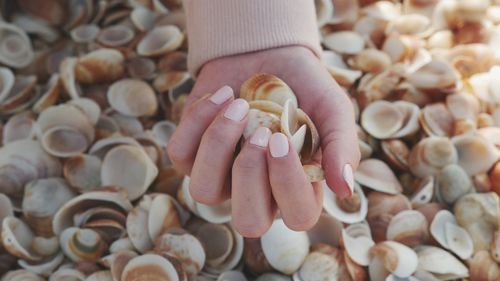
x=63, y=274
x=67, y=72
x=284, y=249
x=19, y=126
x=50, y=94
x=123, y=244
x=101, y=147
x=459, y=241
x=89, y=107
x=137, y=223
x=357, y=243
x=143, y=18
x=408, y=227
x=45, y=267
x=332, y=205
x=15, y=47
x=6, y=208
x=318, y=266
x=37, y=27
x=452, y=183
x=45, y=246
x=163, y=131
x=132, y=97
x=232, y=276
x=475, y=153
x=160, y=40
x=157, y=268
x=128, y=167
x=17, y=238
x=440, y=263
x=344, y=42
x=21, y=275
x=424, y=194
x=115, y=36
x=375, y=174
x=6, y=82
x=397, y=258
x=84, y=33
x=82, y=244
x=438, y=226
x=162, y=215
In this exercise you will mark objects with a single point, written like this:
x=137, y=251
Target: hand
x=260, y=178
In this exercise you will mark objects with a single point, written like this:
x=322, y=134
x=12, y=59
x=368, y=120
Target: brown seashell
x=148, y=266
x=160, y=40
x=141, y=68
x=174, y=61
x=264, y=86
x=50, y=94
x=381, y=208
x=396, y=258
x=483, y=267
x=371, y=60
x=102, y=65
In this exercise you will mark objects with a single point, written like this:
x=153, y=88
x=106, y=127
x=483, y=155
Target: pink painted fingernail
x=222, y=95
x=348, y=177
x=278, y=145
x=237, y=110
x=261, y=137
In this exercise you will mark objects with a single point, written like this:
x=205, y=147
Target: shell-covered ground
x=91, y=91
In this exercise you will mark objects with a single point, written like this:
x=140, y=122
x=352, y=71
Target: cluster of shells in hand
x=91, y=91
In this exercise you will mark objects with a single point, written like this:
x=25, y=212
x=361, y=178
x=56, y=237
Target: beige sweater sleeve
x=218, y=28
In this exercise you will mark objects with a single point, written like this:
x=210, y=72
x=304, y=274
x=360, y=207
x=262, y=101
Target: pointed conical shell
x=186, y=247
x=397, y=258
x=128, y=167
x=15, y=47
x=149, y=266
x=264, y=86
x=160, y=40
x=284, y=249
x=375, y=174
x=102, y=65
x=340, y=210
x=132, y=97
x=440, y=263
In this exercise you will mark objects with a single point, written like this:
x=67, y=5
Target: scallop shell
x=285, y=249
x=160, y=40
x=15, y=50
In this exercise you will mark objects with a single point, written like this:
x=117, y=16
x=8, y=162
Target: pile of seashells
x=91, y=91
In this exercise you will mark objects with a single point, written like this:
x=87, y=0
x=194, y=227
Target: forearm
x=219, y=28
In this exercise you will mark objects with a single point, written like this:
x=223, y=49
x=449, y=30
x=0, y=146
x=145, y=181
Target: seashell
x=395, y=120
x=106, y=127
x=82, y=244
x=318, y=266
x=379, y=86
x=452, y=183
x=64, y=216
x=116, y=262
x=395, y=257
x=344, y=11
x=137, y=222
x=45, y=246
x=163, y=215
x=475, y=153
x=254, y=259
x=21, y=275
x=483, y=267
x=6, y=208
x=264, y=86
x=63, y=274
x=440, y=263
x=376, y=175
x=50, y=94
x=163, y=131
x=381, y=208
x=478, y=214
x=284, y=249
x=431, y=155
x=20, y=126
x=103, y=275
x=64, y=141
x=462, y=106
x=327, y=230
x=18, y=238
x=7, y=82
x=436, y=76
x=115, y=36
x=23, y=161
x=401, y=48
x=437, y=120
x=36, y=27
x=160, y=40
x=357, y=242
x=85, y=33
x=396, y=153
x=68, y=77
x=42, y=199
x=143, y=18
x=15, y=50
x=132, y=98
x=132, y=161
x=150, y=266
x=83, y=172
x=339, y=70
x=324, y=12
x=408, y=227
x=424, y=192
x=348, y=210
x=174, y=61
x=21, y=95
x=101, y=147
x=232, y=276
x=122, y=244
x=344, y=42
x=186, y=248
x=128, y=125
x=51, y=11
x=170, y=81
x=141, y=68
x=410, y=24
x=44, y=267
x=99, y=66
x=371, y=60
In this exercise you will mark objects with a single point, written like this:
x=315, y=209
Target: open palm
x=204, y=144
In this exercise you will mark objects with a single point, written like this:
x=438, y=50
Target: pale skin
x=258, y=182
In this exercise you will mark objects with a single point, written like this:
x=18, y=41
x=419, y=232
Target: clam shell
x=132, y=98
x=285, y=249
x=19, y=126
x=452, y=183
x=50, y=94
x=6, y=208
x=432, y=154
x=371, y=60
x=118, y=261
x=344, y=42
x=83, y=172
x=128, y=167
x=347, y=211
x=318, y=266
x=129, y=125
x=85, y=33
x=381, y=208
x=141, y=68
x=15, y=50
x=101, y=147
x=375, y=174
x=186, y=248
x=149, y=266
x=143, y=18
x=17, y=238
x=163, y=215
x=137, y=222
x=115, y=36
x=440, y=263
x=99, y=66
x=475, y=153
x=7, y=82
x=21, y=275
x=45, y=267
x=397, y=258
x=160, y=40
x=82, y=244
x=63, y=274
x=357, y=242
x=437, y=120
x=264, y=86
x=382, y=120
x=408, y=227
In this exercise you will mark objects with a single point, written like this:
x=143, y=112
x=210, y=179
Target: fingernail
x=278, y=145
x=261, y=137
x=237, y=110
x=348, y=177
x=222, y=95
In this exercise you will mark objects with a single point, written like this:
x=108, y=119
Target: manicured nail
x=348, y=177
x=237, y=110
x=222, y=95
x=278, y=145
x=261, y=137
